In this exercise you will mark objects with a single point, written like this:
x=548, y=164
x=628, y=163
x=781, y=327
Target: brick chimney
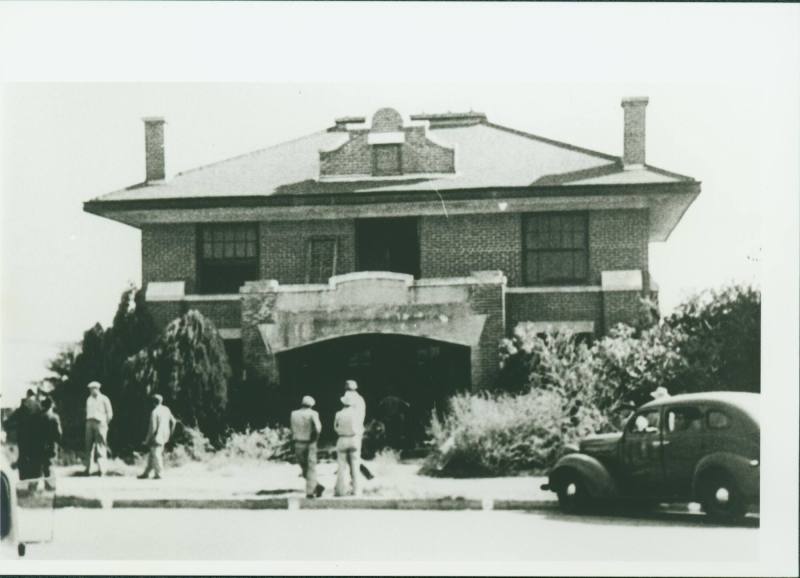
x=634, y=144
x=154, y=148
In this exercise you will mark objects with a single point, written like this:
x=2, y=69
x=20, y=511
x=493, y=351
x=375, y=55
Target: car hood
x=600, y=444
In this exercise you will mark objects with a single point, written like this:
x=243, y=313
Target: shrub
x=630, y=366
x=722, y=345
x=490, y=435
x=262, y=445
x=188, y=444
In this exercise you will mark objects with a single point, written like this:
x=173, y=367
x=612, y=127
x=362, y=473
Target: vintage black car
x=701, y=447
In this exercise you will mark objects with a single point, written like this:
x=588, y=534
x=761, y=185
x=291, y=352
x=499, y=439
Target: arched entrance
x=422, y=373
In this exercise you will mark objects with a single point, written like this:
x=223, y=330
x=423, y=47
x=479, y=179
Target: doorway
x=388, y=245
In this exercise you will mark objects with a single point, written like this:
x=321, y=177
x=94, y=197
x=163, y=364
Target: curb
x=206, y=504
x=292, y=503
x=389, y=504
x=76, y=502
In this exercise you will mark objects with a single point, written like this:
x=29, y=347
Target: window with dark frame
x=227, y=257
x=556, y=248
x=321, y=259
x=386, y=160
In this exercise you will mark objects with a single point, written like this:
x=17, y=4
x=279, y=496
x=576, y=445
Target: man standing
x=359, y=405
x=49, y=437
x=162, y=424
x=306, y=428
x=26, y=418
x=349, y=426
x=98, y=416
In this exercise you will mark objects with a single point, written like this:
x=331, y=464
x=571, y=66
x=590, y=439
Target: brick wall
x=617, y=240
x=168, y=254
x=570, y=306
x=352, y=158
x=455, y=246
x=284, y=246
x=418, y=154
x=224, y=314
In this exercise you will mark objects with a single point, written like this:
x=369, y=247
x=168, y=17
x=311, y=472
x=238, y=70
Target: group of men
x=349, y=427
x=38, y=433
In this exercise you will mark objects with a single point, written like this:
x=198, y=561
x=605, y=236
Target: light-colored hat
x=348, y=399
x=351, y=385
x=94, y=385
x=308, y=401
x=659, y=392
x=158, y=397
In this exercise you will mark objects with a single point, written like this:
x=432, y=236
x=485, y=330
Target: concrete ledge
x=630, y=280
x=76, y=502
x=524, y=504
x=389, y=504
x=207, y=504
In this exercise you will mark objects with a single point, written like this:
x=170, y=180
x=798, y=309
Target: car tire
x=573, y=497
x=721, y=498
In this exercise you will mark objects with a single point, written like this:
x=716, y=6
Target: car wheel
x=721, y=498
x=572, y=494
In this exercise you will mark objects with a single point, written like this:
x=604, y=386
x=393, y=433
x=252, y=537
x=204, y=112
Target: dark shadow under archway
x=421, y=372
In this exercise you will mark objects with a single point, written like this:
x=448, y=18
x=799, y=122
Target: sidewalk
x=396, y=485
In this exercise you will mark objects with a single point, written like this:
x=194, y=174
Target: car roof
x=745, y=401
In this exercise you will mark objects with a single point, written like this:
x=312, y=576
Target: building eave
x=669, y=201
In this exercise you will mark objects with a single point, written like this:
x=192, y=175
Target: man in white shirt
x=349, y=425
x=98, y=415
x=359, y=405
x=162, y=424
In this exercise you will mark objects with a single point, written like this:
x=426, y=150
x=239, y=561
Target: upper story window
x=227, y=257
x=321, y=259
x=556, y=248
x=386, y=160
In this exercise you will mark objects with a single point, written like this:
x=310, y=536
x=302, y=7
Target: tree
x=100, y=356
x=188, y=365
x=723, y=340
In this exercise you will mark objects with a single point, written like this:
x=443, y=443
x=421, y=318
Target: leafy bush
x=629, y=367
x=490, y=435
x=262, y=445
x=722, y=345
x=187, y=444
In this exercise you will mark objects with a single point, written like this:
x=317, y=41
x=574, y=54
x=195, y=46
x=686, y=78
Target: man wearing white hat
x=98, y=415
x=349, y=425
x=306, y=427
x=359, y=405
x=162, y=424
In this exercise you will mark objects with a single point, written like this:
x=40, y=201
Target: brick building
x=399, y=252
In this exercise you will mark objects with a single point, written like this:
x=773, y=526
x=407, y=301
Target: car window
x=644, y=421
x=718, y=420
x=684, y=419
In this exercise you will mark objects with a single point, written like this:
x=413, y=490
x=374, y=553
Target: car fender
x=599, y=482
x=744, y=471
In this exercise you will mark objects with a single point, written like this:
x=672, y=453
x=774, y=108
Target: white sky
x=723, y=88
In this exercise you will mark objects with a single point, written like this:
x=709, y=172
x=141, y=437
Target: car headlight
x=754, y=463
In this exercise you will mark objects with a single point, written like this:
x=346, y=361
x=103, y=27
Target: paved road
x=388, y=535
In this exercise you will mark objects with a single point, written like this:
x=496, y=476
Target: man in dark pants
x=26, y=417
x=49, y=436
x=306, y=428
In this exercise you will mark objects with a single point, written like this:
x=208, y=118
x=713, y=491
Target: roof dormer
x=388, y=149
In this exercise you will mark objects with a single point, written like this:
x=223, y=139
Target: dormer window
x=386, y=160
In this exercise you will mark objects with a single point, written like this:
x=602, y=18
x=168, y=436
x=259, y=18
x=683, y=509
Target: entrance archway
x=420, y=372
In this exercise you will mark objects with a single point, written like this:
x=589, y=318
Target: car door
x=683, y=446
x=642, y=452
